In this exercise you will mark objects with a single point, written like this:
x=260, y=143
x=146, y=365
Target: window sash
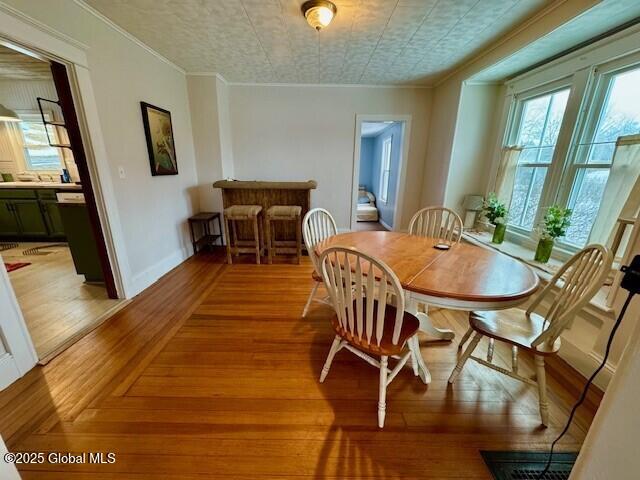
x=385, y=169
x=30, y=160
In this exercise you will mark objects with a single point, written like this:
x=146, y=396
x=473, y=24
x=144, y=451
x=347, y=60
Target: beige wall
x=152, y=210
x=302, y=133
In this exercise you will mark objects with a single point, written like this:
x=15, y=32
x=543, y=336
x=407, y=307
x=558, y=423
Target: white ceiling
x=603, y=17
x=369, y=41
x=371, y=129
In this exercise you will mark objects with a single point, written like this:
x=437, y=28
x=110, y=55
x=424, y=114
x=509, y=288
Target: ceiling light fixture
x=319, y=13
x=8, y=115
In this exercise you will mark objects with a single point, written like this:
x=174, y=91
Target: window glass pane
x=38, y=154
x=585, y=201
x=621, y=115
x=526, y=196
x=554, y=120
x=533, y=116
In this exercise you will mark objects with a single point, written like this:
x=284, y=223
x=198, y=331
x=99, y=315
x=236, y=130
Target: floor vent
x=7, y=246
x=528, y=465
x=41, y=250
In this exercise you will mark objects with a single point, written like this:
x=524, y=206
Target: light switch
x=121, y=172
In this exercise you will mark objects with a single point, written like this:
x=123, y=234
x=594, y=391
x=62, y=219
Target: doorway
x=51, y=240
x=378, y=173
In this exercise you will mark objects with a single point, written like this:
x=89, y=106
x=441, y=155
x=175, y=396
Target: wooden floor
x=57, y=305
x=212, y=373
x=369, y=227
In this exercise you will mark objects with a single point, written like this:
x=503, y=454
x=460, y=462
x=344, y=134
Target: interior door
x=17, y=355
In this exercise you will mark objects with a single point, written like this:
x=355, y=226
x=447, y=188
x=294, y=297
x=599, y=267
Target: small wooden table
x=208, y=238
x=465, y=277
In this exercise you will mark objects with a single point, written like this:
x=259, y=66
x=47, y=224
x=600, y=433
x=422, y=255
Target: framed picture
x=159, y=134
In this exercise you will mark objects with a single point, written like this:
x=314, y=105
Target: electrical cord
x=588, y=384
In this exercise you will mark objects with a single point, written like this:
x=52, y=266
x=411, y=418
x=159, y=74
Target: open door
x=17, y=355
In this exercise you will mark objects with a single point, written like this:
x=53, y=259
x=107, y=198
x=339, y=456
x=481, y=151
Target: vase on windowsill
x=543, y=251
x=498, y=233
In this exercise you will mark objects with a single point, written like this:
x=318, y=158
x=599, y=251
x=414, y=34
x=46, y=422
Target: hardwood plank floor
x=212, y=373
x=57, y=305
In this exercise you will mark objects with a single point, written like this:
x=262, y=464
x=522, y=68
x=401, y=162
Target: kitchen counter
x=38, y=185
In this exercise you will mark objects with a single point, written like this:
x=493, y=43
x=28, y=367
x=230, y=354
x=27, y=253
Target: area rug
x=15, y=266
x=528, y=465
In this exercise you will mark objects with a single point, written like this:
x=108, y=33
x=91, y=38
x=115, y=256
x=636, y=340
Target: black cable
x=588, y=384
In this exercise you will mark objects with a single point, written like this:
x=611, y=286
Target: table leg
x=426, y=325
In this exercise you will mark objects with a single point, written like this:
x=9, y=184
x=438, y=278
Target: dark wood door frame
x=65, y=97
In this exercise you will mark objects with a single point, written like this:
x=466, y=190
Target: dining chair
x=363, y=322
x=317, y=225
x=437, y=222
x=577, y=282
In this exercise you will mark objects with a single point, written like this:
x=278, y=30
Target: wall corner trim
x=127, y=35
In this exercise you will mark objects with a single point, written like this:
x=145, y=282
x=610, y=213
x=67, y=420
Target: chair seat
x=242, y=212
x=409, y=328
x=512, y=326
x=284, y=212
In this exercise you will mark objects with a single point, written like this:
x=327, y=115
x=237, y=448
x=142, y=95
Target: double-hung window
x=385, y=169
x=535, y=128
x=38, y=154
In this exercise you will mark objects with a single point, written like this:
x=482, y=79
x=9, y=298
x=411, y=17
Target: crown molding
x=328, y=85
x=88, y=8
x=42, y=26
x=208, y=74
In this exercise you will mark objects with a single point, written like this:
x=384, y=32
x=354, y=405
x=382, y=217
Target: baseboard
x=148, y=277
x=385, y=225
x=573, y=381
x=585, y=363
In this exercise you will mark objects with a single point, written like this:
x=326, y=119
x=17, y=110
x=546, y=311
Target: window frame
x=385, y=168
x=34, y=116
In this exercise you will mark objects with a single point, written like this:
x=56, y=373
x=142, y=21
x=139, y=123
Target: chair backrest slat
x=577, y=281
x=357, y=282
x=437, y=222
x=317, y=225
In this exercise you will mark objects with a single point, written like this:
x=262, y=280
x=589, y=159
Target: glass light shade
x=8, y=115
x=319, y=16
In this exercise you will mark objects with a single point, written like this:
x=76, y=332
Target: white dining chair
x=577, y=282
x=364, y=323
x=437, y=222
x=317, y=225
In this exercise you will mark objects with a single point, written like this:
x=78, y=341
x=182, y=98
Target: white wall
x=307, y=132
x=152, y=210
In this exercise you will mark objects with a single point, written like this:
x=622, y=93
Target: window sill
x=545, y=271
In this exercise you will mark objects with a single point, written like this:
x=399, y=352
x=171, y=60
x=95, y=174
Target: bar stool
x=283, y=213
x=243, y=213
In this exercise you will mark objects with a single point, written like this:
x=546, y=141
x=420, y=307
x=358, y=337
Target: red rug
x=15, y=266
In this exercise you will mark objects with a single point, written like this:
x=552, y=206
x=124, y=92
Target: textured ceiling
x=368, y=42
x=603, y=17
x=17, y=66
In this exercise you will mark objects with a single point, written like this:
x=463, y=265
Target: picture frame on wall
x=158, y=132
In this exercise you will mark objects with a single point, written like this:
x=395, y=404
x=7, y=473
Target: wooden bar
x=266, y=194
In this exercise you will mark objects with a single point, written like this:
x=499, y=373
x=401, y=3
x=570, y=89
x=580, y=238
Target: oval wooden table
x=465, y=277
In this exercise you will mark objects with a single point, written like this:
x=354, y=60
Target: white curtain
x=11, y=148
x=507, y=173
x=621, y=196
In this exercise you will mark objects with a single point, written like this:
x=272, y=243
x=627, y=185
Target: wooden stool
x=243, y=213
x=283, y=213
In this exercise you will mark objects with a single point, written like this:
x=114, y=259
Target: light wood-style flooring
x=369, y=227
x=57, y=305
x=212, y=373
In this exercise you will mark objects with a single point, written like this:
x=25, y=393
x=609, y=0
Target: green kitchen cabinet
x=30, y=219
x=9, y=226
x=52, y=218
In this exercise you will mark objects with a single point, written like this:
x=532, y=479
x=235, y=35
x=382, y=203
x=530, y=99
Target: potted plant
x=555, y=222
x=496, y=213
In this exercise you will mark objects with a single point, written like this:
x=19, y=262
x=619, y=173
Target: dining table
x=461, y=276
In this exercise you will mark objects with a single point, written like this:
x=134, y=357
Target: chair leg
x=335, y=346
x=382, y=396
x=414, y=360
x=514, y=359
x=542, y=390
x=465, y=338
x=299, y=239
x=310, y=299
x=267, y=235
x=490, y=348
x=256, y=236
x=465, y=356
x=234, y=227
x=227, y=235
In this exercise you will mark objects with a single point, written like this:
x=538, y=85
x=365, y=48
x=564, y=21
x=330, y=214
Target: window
x=615, y=113
x=536, y=129
x=38, y=155
x=385, y=169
